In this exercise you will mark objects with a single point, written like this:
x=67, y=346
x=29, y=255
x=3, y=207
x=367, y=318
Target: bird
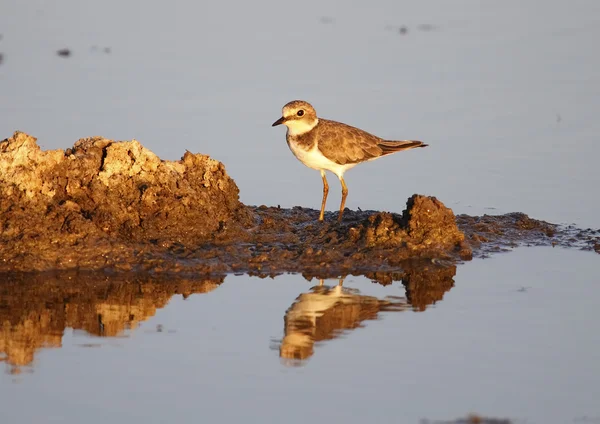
x=327, y=145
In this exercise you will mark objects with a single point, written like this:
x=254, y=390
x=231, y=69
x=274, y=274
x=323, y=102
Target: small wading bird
x=332, y=146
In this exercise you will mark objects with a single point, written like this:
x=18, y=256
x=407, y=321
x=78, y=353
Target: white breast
x=313, y=158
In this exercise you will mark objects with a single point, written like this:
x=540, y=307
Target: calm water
x=505, y=93
x=512, y=336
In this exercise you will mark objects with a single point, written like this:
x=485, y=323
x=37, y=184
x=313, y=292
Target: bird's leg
x=325, y=192
x=344, y=195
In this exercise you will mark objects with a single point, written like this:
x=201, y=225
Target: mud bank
x=113, y=205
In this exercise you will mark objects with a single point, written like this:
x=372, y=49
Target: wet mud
x=116, y=206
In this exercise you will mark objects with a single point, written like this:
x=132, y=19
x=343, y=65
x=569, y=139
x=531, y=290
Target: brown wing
x=344, y=144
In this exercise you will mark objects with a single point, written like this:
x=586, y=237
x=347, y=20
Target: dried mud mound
x=115, y=205
x=89, y=205
x=105, y=204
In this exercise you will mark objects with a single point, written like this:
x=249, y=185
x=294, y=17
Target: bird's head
x=299, y=116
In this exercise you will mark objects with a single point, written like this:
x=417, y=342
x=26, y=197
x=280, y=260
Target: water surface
x=511, y=336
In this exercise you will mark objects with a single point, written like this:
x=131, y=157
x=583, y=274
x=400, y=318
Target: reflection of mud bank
x=36, y=309
x=116, y=205
x=325, y=312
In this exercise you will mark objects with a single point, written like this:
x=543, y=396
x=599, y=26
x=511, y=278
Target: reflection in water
x=36, y=309
x=325, y=312
x=424, y=285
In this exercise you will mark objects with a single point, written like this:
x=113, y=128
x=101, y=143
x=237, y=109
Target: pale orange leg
x=344, y=195
x=325, y=192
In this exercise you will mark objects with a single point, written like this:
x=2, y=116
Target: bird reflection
x=327, y=311
x=324, y=312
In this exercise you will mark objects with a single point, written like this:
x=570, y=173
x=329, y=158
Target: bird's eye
x=300, y=112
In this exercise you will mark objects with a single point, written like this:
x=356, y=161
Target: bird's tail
x=392, y=146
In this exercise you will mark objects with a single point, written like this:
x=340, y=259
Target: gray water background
x=506, y=94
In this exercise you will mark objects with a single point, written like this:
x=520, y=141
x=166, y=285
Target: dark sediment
x=117, y=206
x=471, y=419
x=500, y=233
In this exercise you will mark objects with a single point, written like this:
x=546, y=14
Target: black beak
x=278, y=122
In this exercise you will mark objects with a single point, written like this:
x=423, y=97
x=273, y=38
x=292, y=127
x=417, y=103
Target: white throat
x=300, y=126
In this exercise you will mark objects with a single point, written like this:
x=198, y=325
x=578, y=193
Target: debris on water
x=426, y=27
x=63, y=52
x=471, y=419
x=95, y=48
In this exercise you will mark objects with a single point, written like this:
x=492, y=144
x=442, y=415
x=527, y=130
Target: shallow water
x=513, y=336
x=505, y=94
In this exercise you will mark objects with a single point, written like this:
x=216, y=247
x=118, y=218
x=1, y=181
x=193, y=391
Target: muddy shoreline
x=117, y=207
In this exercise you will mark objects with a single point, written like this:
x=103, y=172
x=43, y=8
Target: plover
x=327, y=145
